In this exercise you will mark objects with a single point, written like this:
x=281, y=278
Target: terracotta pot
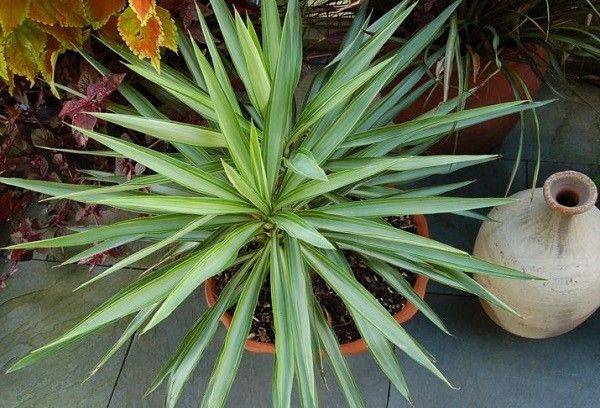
x=485, y=136
x=555, y=236
x=352, y=348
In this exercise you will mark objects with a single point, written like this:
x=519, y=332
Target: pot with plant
x=295, y=201
x=396, y=301
x=499, y=51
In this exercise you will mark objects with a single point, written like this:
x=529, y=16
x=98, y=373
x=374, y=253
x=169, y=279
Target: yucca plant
x=301, y=183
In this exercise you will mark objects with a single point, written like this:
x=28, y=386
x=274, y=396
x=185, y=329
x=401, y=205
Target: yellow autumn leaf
x=169, y=28
x=3, y=67
x=67, y=36
x=144, y=41
x=66, y=13
x=98, y=12
x=144, y=9
x=47, y=63
x=12, y=13
x=24, y=47
x=109, y=31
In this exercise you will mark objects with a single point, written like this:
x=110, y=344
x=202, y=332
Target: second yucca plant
x=300, y=183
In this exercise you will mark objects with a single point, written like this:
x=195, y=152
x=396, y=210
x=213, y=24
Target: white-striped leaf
x=230, y=356
x=167, y=130
x=136, y=256
x=214, y=260
x=283, y=375
x=187, y=175
x=361, y=300
x=301, y=229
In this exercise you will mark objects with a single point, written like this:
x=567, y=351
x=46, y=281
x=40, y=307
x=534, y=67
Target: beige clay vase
x=555, y=236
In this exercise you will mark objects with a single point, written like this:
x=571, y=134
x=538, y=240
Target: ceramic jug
x=554, y=235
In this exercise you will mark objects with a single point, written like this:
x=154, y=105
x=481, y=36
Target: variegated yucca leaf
x=299, y=182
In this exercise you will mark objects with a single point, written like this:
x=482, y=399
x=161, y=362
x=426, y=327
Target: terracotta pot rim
x=352, y=348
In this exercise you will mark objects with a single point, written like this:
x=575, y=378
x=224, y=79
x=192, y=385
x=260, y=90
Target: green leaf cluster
x=301, y=182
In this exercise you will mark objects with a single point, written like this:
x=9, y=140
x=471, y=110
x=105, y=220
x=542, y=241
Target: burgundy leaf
x=89, y=210
x=101, y=90
x=60, y=213
x=95, y=100
x=39, y=165
x=125, y=167
x=13, y=203
x=94, y=260
x=26, y=231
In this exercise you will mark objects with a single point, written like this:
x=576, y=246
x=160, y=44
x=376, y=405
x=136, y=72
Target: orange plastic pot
x=485, y=136
x=355, y=347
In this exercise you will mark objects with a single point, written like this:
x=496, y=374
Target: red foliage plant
x=31, y=116
x=95, y=100
x=30, y=119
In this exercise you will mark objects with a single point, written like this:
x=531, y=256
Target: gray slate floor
x=490, y=367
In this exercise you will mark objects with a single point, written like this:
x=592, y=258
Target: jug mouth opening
x=568, y=198
x=570, y=192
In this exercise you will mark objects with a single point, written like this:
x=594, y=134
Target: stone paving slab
x=39, y=306
x=252, y=387
x=150, y=351
x=570, y=129
x=547, y=169
x=494, y=368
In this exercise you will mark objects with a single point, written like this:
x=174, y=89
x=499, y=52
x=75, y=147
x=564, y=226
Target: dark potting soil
x=341, y=320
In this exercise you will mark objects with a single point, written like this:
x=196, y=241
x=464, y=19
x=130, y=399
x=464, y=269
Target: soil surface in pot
x=342, y=323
